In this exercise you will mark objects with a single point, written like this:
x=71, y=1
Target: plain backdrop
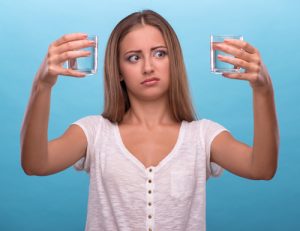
x=59, y=202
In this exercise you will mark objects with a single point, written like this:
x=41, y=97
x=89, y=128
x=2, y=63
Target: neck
x=149, y=113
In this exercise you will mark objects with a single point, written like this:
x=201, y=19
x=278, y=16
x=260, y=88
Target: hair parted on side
x=116, y=101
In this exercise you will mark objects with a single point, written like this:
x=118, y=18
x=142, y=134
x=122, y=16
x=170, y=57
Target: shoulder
x=205, y=128
x=93, y=123
x=203, y=124
x=93, y=120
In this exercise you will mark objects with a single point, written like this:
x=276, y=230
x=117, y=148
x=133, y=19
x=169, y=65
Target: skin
x=143, y=55
x=38, y=156
x=147, y=130
x=259, y=161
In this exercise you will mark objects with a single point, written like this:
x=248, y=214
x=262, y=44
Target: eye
x=133, y=58
x=160, y=53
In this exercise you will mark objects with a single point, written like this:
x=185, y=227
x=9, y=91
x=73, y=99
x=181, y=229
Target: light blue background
x=58, y=202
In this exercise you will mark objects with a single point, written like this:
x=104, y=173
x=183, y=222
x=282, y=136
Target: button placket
x=149, y=196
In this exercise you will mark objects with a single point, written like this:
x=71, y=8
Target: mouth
x=150, y=81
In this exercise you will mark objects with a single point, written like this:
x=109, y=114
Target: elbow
x=265, y=175
x=266, y=170
x=268, y=176
x=28, y=170
x=28, y=173
x=270, y=172
x=31, y=170
x=31, y=166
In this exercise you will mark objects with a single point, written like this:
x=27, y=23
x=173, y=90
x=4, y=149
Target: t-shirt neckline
x=136, y=161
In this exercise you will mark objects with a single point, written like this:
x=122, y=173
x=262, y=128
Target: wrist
x=40, y=85
x=263, y=87
x=265, y=91
x=44, y=78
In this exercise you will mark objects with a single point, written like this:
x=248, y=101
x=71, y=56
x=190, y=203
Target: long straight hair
x=116, y=97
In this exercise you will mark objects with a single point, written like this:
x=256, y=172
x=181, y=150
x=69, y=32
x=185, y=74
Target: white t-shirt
x=126, y=196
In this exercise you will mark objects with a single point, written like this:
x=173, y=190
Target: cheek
x=130, y=74
x=165, y=67
x=128, y=70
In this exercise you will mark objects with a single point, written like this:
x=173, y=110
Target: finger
x=75, y=45
x=234, y=51
x=240, y=76
x=237, y=62
x=69, y=72
x=61, y=58
x=242, y=45
x=69, y=37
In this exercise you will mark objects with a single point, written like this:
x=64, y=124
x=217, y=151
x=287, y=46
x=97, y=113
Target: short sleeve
x=210, y=130
x=90, y=126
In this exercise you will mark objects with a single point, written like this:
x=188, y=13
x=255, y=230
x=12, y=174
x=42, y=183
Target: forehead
x=142, y=36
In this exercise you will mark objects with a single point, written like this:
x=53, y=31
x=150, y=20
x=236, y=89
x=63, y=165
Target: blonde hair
x=116, y=98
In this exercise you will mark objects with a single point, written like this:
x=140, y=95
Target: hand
x=247, y=57
x=65, y=48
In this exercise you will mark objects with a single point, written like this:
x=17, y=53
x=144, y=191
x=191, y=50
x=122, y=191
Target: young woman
x=147, y=156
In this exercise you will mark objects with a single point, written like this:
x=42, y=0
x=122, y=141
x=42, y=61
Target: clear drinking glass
x=89, y=64
x=217, y=66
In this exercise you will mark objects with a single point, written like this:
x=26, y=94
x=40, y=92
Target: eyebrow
x=139, y=51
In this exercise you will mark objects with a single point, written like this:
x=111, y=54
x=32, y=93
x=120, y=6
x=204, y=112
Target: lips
x=150, y=80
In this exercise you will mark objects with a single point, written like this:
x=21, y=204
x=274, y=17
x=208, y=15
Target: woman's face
x=144, y=63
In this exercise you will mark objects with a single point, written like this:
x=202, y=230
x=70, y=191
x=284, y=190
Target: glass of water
x=89, y=64
x=217, y=66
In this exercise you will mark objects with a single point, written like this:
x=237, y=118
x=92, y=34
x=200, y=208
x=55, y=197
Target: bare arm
x=38, y=156
x=259, y=161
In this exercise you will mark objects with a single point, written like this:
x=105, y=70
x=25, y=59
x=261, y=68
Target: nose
x=148, y=66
